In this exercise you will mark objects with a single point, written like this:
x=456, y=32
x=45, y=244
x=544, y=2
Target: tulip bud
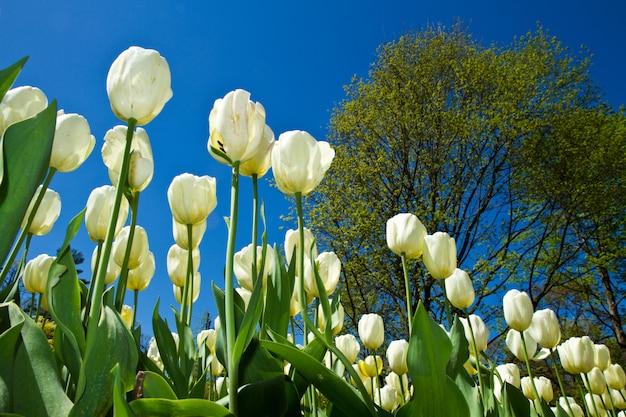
x=73, y=142
x=405, y=235
x=127, y=315
x=192, y=198
x=615, y=376
x=19, y=104
x=386, y=398
x=299, y=162
x=181, y=236
x=178, y=291
x=141, y=168
x=243, y=265
x=35, y=277
x=329, y=269
x=113, y=269
x=481, y=333
x=348, y=345
x=371, y=366
x=47, y=213
x=177, y=259
x=138, y=84
x=597, y=383
x=396, y=356
x=602, y=358
x=139, y=278
x=515, y=345
x=439, y=255
x=577, y=354
x=371, y=331
x=292, y=242
x=139, y=248
x=459, y=289
x=261, y=162
x=518, y=310
x=98, y=213
x=236, y=127
x=545, y=329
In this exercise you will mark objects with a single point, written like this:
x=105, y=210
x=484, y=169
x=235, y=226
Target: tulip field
x=278, y=346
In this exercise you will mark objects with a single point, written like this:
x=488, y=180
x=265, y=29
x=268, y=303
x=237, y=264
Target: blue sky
x=294, y=57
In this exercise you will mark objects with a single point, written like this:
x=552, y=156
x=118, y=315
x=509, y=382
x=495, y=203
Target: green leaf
x=112, y=344
x=26, y=362
x=27, y=146
x=436, y=394
x=120, y=405
x=337, y=390
x=514, y=403
x=256, y=364
x=168, y=352
x=263, y=398
x=278, y=296
x=9, y=74
x=460, y=349
x=250, y=319
x=158, y=407
x=186, y=348
x=154, y=385
x=11, y=292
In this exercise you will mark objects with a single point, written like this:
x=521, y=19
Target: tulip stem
x=255, y=226
x=24, y=232
x=530, y=374
x=96, y=299
x=189, y=277
x=407, y=289
x=93, y=279
x=135, y=303
x=229, y=307
x=477, y=357
x=121, y=285
x=585, y=379
x=560, y=381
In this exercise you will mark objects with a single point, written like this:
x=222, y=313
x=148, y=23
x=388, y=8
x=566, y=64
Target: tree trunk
x=616, y=322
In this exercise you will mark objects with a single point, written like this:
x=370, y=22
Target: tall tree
x=436, y=130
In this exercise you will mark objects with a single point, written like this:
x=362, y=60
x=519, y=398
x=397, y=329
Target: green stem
x=407, y=289
x=135, y=302
x=530, y=374
x=446, y=302
x=94, y=274
x=255, y=226
x=24, y=232
x=233, y=363
x=593, y=400
x=477, y=357
x=121, y=285
x=96, y=299
x=32, y=305
x=38, y=308
x=560, y=381
x=190, y=273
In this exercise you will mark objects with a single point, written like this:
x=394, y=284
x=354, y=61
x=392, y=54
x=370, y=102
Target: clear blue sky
x=294, y=57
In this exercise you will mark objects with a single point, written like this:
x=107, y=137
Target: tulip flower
x=236, y=127
x=543, y=385
x=139, y=248
x=192, y=198
x=337, y=318
x=348, y=345
x=181, y=237
x=602, y=357
x=459, y=289
x=98, y=213
x=518, y=310
x=127, y=315
x=177, y=259
x=577, y=354
x=568, y=404
x=594, y=405
x=545, y=329
x=401, y=384
x=19, y=104
x=141, y=168
x=292, y=242
x=405, y=235
x=35, y=277
x=597, y=383
x=209, y=338
x=480, y=331
x=396, y=356
x=371, y=331
x=371, y=366
x=615, y=376
x=506, y=373
x=178, y=291
x=113, y=269
x=73, y=142
x=439, y=255
x=261, y=162
x=139, y=278
x=243, y=265
x=613, y=397
x=153, y=350
x=138, y=85
x=299, y=162
x=515, y=345
x=328, y=267
x=386, y=398
x=47, y=213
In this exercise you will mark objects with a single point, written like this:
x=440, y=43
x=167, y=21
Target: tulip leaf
x=186, y=348
x=220, y=300
x=337, y=390
x=120, y=405
x=278, y=296
x=436, y=394
x=470, y=391
x=514, y=403
x=160, y=407
x=25, y=362
x=169, y=352
x=256, y=364
x=250, y=319
x=111, y=345
x=11, y=292
x=26, y=146
x=460, y=349
x=266, y=397
x=154, y=385
x=9, y=74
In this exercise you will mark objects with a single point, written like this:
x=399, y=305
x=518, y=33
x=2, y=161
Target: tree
x=436, y=129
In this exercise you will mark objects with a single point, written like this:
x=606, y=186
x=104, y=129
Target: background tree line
x=511, y=149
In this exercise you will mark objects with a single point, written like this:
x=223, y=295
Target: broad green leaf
x=26, y=146
x=11, y=292
x=337, y=390
x=30, y=363
x=120, y=405
x=256, y=364
x=460, y=349
x=158, y=407
x=112, y=345
x=250, y=319
x=154, y=385
x=470, y=391
x=168, y=352
x=514, y=403
x=436, y=394
x=263, y=398
x=278, y=296
x=220, y=299
x=186, y=348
